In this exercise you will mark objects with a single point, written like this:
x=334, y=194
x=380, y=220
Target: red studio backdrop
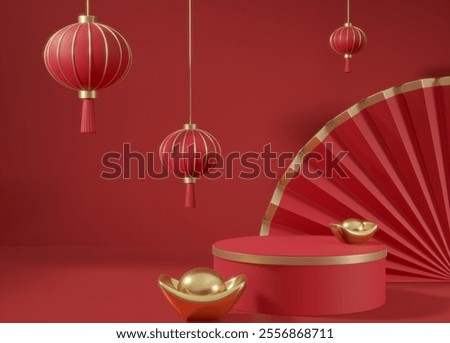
x=262, y=75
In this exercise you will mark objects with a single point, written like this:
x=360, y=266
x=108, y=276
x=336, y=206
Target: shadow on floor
x=401, y=306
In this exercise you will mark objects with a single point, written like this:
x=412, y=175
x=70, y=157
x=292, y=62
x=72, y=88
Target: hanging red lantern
x=87, y=56
x=189, y=153
x=348, y=40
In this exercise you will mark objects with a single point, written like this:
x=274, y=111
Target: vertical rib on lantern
x=87, y=56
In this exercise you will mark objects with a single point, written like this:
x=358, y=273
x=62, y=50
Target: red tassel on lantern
x=189, y=153
x=87, y=56
x=88, y=116
x=347, y=68
x=189, y=199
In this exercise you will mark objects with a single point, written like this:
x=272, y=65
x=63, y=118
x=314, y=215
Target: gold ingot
x=201, y=281
x=354, y=231
x=205, y=296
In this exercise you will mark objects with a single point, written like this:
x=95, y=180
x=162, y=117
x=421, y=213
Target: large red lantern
x=87, y=56
x=189, y=153
x=348, y=40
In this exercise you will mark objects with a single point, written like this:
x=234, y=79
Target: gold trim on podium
x=299, y=260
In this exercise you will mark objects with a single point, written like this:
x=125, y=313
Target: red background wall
x=264, y=73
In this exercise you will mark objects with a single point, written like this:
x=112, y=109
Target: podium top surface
x=297, y=250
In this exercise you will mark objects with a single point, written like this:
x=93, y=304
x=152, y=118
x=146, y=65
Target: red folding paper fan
x=397, y=169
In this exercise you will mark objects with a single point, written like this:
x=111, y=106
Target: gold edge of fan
x=326, y=130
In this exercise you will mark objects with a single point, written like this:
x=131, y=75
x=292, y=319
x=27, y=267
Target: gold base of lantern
x=84, y=94
x=190, y=180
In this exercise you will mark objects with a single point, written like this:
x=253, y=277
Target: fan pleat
x=388, y=161
x=286, y=216
x=406, y=275
x=398, y=177
x=437, y=113
x=376, y=206
x=410, y=140
x=400, y=264
x=321, y=194
x=401, y=192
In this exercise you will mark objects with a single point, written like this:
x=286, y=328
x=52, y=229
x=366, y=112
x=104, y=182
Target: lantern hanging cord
x=190, y=61
x=87, y=7
x=348, y=11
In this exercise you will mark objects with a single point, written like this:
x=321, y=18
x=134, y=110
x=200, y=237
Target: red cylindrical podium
x=304, y=275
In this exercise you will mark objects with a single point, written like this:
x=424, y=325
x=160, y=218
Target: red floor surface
x=119, y=285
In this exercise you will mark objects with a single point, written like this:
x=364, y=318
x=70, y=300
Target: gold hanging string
x=348, y=11
x=190, y=61
x=87, y=7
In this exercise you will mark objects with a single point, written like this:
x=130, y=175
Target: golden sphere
x=353, y=224
x=201, y=281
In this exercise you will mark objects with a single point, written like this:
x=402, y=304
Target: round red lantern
x=347, y=41
x=189, y=153
x=87, y=56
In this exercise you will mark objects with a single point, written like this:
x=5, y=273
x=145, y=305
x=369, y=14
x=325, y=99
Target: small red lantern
x=189, y=153
x=348, y=40
x=87, y=56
